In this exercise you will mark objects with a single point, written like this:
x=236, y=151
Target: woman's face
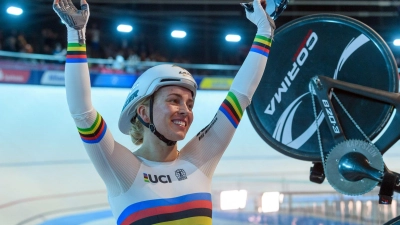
x=172, y=111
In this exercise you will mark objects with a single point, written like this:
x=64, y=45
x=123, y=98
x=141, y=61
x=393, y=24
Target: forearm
x=77, y=79
x=250, y=73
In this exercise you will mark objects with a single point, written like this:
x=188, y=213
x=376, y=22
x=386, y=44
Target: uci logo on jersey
x=180, y=174
x=148, y=178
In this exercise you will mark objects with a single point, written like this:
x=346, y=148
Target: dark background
x=206, y=22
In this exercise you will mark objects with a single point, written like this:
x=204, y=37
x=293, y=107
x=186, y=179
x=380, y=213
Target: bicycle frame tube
x=322, y=86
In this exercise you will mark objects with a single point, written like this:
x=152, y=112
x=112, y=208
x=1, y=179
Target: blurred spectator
x=1, y=40
x=93, y=41
x=10, y=44
x=143, y=56
x=48, y=40
x=125, y=52
x=157, y=57
x=119, y=61
x=132, y=61
x=109, y=50
x=179, y=59
x=59, y=50
x=23, y=45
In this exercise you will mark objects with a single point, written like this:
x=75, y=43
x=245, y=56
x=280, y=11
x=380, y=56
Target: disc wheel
x=331, y=45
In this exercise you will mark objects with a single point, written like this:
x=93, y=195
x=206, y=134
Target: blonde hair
x=136, y=131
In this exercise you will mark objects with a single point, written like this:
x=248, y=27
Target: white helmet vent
x=166, y=80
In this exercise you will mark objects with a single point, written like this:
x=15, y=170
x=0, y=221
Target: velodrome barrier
x=56, y=78
x=39, y=69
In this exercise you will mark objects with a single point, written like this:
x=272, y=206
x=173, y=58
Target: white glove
x=74, y=19
x=265, y=24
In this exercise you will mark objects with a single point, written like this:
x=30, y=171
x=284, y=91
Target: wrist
x=76, y=36
x=266, y=27
x=266, y=31
x=261, y=45
x=76, y=53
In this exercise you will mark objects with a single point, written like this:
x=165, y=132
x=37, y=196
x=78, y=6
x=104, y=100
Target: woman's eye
x=174, y=100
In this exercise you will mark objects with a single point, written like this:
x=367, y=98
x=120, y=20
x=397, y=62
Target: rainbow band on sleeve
x=76, y=53
x=261, y=45
x=95, y=133
x=232, y=109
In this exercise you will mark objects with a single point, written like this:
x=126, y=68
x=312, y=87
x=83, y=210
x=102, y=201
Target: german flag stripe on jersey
x=76, y=53
x=261, y=45
x=232, y=109
x=187, y=209
x=95, y=133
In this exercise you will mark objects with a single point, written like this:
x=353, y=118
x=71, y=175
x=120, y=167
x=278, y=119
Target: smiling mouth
x=179, y=122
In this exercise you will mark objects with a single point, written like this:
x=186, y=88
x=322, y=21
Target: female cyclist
x=157, y=184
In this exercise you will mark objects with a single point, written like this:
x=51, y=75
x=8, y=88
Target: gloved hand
x=265, y=24
x=74, y=19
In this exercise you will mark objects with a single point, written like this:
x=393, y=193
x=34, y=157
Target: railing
x=39, y=69
x=60, y=58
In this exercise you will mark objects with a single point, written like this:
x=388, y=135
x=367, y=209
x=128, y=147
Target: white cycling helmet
x=148, y=83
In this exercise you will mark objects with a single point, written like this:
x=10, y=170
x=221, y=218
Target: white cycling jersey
x=146, y=192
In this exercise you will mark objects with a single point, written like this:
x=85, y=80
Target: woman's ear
x=142, y=111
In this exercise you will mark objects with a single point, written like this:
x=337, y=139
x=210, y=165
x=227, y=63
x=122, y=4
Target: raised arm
x=250, y=73
x=77, y=79
x=206, y=149
x=111, y=160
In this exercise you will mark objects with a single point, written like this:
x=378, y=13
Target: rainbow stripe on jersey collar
x=261, y=45
x=76, y=53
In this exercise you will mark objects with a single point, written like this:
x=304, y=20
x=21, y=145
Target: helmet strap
x=153, y=128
